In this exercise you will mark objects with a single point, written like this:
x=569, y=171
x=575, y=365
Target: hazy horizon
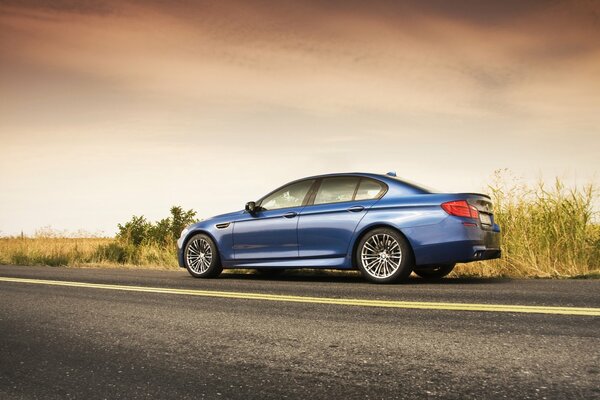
x=110, y=109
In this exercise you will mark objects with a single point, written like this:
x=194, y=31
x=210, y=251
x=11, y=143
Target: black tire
x=437, y=272
x=393, y=253
x=201, y=257
x=270, y=271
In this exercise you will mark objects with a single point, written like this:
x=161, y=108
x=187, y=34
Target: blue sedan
x=378, y=224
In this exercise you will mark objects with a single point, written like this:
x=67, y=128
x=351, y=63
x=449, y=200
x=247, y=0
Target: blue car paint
x=326, y=230
x=326, y=235
x=267, y=234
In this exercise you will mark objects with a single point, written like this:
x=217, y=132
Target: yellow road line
x=323, y=300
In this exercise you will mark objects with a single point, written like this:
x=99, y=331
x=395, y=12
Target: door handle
x=356, y=208
x=290, y=214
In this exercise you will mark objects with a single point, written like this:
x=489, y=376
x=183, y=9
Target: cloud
x=120, y=100
x=70, y=6
x=422, y=57
x=285, y=53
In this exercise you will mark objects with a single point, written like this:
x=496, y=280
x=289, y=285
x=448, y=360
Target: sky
x=115, y=108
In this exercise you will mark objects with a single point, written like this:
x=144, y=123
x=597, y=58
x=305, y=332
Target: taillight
x=460, y=208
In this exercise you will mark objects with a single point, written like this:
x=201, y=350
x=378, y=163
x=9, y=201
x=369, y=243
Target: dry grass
x=547, y=232
x=109, y=253
x=83, y=252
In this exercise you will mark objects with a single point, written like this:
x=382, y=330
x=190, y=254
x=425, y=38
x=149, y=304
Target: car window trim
x=357, y=177
x=309, y=199
x=382, y=192
x=304, y=201
x=312, y=193
x=356, y=188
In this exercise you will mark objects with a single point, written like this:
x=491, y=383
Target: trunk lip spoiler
x=475, y=194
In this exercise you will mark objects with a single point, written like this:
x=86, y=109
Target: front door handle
x=356, y=208
x=290, y=214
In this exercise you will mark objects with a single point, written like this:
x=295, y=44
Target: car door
x=326, y=225
x=271, y=232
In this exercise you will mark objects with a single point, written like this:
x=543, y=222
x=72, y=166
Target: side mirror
x=250, y=207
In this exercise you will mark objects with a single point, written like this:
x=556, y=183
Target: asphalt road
x=86, y=342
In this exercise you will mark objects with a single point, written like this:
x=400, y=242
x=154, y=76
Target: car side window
x=288, y=196
x=336, y=190
x=369, y=189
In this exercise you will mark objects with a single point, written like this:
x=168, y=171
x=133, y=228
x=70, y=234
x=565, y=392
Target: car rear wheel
x=384, y=256
x=437, y=272
x=202, y=257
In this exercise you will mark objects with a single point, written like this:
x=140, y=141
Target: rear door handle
x=356, y=208
x=290, y=214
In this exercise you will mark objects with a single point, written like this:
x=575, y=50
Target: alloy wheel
x=199, y=255
x=381, y=255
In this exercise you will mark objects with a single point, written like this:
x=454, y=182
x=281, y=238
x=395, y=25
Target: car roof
x=366, y=174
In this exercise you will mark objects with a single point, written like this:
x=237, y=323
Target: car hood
x=226, y=215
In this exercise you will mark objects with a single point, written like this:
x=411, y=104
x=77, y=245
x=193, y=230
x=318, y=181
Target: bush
x=134, y=231
x=139, y=231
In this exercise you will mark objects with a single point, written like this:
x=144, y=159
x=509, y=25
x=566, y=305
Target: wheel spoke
x=375, y=267
x=370, y=247
x=380, y=268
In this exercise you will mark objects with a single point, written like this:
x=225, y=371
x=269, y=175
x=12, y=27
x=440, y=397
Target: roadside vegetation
x=548, y=231
x=138, y=243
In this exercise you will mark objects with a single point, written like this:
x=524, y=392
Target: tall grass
x=547, y=231
x=138, y=243
x=84, y=252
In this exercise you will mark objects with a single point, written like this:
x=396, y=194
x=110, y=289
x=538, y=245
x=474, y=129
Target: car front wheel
x=384, y=256
x=202, y=257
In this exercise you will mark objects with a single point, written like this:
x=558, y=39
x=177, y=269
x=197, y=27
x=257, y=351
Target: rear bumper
x=454, y=240
x=455, y=252
x=487, y=254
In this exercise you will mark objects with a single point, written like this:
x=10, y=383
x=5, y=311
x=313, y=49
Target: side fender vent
x=223, y=225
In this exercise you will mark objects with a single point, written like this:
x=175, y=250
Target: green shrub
x=139, y=231
x=135, y=231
